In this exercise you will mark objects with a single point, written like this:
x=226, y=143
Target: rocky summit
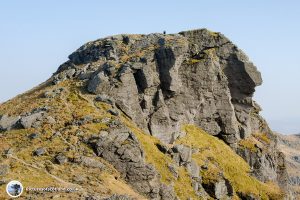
x=158, y=116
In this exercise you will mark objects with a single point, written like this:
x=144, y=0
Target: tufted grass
x=152, y=153
x=263, y=137
x=183, y=185
x=249, y=143
x=220, y=157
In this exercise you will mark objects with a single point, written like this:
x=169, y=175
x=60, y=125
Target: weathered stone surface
x=33, y=136
x=35, y=118
x=40, y=151
x=31, y=120
x=8, y=122
x=69, y=73
x=150, y=87
x=90, y=162
x=113, y=112
x=220, y=189
x=121, y=148
x=167, y=192
x=173, y=169
x=61, y=159
x=184, y=152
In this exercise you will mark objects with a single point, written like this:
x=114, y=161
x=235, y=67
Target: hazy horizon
x=37, y=37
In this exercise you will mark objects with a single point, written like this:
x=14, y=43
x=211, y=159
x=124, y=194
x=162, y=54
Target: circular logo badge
x=14, y=188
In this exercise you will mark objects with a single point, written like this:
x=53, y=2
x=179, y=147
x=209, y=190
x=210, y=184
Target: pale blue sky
x=36, y=37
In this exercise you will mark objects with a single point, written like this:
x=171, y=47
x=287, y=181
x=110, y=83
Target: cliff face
x=155, y=90
x=195, y=77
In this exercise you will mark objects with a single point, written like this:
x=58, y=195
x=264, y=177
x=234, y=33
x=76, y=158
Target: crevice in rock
x=165, y=60
x=140, y=80
x=229, y=187
x=118, y=106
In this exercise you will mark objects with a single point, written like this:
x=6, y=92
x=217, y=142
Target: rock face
x=121, y=148
x=163, y=81
x=265, y=159
x=192, y=77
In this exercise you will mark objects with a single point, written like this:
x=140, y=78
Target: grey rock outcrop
x=53, y=93
x=267, y=163
x=121, y=148
x=164, y=81
x=8, y=122
x=220, y=189
x=32, y=120
x=90, y=162
x=192, y=77
x=290, y=146
x=35, y=118
x=61, y=159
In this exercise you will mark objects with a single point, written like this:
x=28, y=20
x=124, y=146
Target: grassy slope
x=40, y=171
x=74, y=104
x=221, y=158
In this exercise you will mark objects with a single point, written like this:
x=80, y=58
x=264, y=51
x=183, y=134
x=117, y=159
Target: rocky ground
x=145, y=117
x=290, y=146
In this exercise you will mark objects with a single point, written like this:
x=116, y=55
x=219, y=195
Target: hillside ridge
x=130, y=111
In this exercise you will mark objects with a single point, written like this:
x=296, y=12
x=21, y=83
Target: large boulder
x=8, y=122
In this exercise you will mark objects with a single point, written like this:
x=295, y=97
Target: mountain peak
x=157, y=111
